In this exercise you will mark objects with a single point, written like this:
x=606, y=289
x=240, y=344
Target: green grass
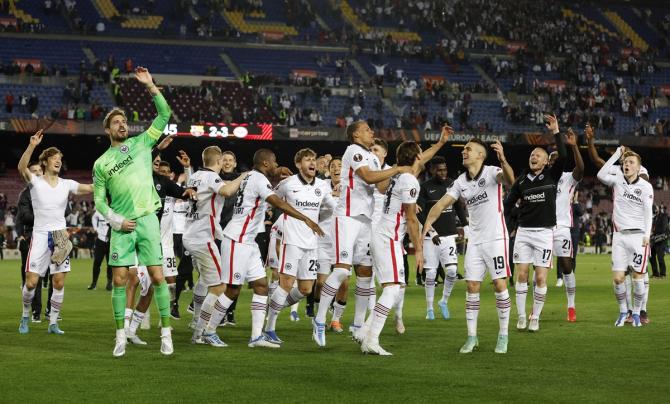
x=590, y=360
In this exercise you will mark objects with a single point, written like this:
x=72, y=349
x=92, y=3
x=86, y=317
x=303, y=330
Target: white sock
x=372, y=294
x=471, y=312
x=258, y=307
x=429, y=286
x=277, y=302
x=638, y=295
x=620, y=294
x=126, y=319
x=272, y=287
x=570, y=286
x=338, y=310
x=205, y=313
x=218, y=311
x=449, y=282
x=629, y=292
x=646, y=292
x=539, y=296
x=294, y=296
x=172, y=288
x=362, y=295
x=504, y=306
x=56, y=303
x=521, y=293
x=328, y=292
x=135, y=322
x=27, y=296
x=382, y=308
x=400, y=303
x=199, y=293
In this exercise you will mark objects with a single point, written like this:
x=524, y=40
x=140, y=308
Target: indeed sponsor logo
x=120, y=165
x=307, y=204
x=630, y=196
x=534, y=197
x=478, y=198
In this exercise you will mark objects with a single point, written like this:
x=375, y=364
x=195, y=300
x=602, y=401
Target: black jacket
x=24, y=213
x=229, y=203
x=430, y=193
x=166, y=187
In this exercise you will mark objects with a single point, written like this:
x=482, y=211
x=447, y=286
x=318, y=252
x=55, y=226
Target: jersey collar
x=361, y=146
x=304, y=182
x=467, y=174
x=634, y=182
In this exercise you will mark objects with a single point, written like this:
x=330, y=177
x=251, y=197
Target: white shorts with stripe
x=272, y=260
x=39, y=255
x=387, y=257
x=206, y=260
x=241, y=262
x=627, y=250
x=169, y=261
x=301, y=263
x=325, y=254
x=534, y=246
x=352, y=240
x=562, y=242
x=490, y=256
x=445, y=253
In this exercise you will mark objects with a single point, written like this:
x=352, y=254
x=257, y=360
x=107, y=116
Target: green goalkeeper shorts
x=139, y=247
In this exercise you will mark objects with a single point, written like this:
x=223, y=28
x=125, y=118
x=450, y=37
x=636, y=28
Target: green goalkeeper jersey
x=124, y=173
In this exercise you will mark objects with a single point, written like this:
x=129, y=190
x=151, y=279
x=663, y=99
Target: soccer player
x=563, y=247
x=398, y=216
x=100, y=249
x=298, y=257
x=202, y=237
x=49, y=245
x=481, y=187
x=535, y=189
x=327, y=250
x=124, y=175
x=240, y=254
x=633, y=199
x=439, y=248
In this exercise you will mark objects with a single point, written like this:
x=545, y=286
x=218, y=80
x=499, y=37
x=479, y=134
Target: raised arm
x=590, y=142
x=578, y=171
x=435, y=212
x=507, y=174
x=160, y=122
x=281, y=204
x=559, y=164
x=35, y=140
x=606, y=174
x=430, y=152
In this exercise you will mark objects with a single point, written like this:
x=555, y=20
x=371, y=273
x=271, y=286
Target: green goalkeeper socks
x=119, y=305
x=162, y=297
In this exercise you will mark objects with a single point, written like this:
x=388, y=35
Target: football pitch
x=589, y=360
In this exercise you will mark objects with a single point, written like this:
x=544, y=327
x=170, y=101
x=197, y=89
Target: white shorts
x=300, y=263
x=39, y=255
x=169, y=261
x=325, y=254
x=206, y=260
x=145, y=279
x=562, y=242
x=241, y=262
x=388, y=261
x=352, y=240
x=627, y=251
x=445, y=253
x=534, y=246
x=272, y=260
x=491, y=257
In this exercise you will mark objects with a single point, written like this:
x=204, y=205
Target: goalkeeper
x=125, y=195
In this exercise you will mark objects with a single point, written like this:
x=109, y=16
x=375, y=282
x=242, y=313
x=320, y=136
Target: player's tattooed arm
x=435, y=212
x=571, y=140
x=282, y=205
x=430, y=152
x=231, y=187
x=589, y=134
x=35, y=140
x=507, y=174
x=414, y=233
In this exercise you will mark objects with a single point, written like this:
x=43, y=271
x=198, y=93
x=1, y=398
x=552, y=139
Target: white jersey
x=356, y=197
x=249, y=209
x=379, y=201
x=49, y=202
x=565, y=191
x=277, y=229
x=403, y=188
x=633, y=201
x=483, y=197
x=101, y=226
x=167, y=219
x=307, y=198
x=203, y=215
x=179, y=216
x=327, y=212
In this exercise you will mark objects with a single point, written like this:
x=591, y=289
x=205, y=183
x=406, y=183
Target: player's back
x=356, y=197
x=249, y=208
x=202, y=215
x=402, y=189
